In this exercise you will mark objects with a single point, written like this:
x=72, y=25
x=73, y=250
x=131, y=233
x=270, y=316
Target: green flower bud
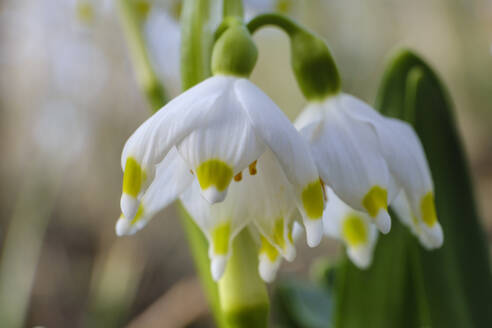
x=313, y=65
x=314, y=68
x=234, y=52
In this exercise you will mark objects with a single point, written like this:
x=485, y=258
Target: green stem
x=286, y=24
x=244, y=299
x=197, y=40
x=23, y=243
x=233, y=8
x=146, y=76
x=199, y=249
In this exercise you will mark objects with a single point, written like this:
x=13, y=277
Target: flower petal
x=349, y=159
x=172, y=178
x=151, y=142
x=222, y=148
x=220, y=222
x=269, y=261
x=353, y=227
x=406, y=159
x=291, y=151
x=429, y=238
x=273, y=209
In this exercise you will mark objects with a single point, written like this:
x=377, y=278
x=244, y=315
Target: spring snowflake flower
x=204, y=139
x=368, y=160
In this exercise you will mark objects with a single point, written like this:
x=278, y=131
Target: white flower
x=204, y=138
x=368, y=160
x=354, y=228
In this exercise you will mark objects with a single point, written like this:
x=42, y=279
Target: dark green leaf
x=408, y=286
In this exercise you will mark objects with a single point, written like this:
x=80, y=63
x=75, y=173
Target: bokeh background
x=69, y=101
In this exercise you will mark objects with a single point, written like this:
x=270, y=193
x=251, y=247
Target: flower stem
x=243, y=296
x=146, y=76
x=233, y=8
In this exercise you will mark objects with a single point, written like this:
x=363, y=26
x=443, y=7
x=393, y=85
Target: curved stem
x=286, y=24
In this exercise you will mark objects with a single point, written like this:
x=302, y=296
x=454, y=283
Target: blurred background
x=69, y=101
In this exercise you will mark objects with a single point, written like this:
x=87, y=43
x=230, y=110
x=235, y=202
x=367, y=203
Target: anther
x=191, y=171
x=238, y=177
x=325, y=197
x=252, y=168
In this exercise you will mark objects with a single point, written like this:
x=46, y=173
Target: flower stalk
x=244, y=299
x=145, y=74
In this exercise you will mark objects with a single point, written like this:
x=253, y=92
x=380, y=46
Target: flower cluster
x=236, y=162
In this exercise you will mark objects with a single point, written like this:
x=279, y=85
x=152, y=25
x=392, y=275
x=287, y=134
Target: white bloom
x=368, y=160
x=354, y=228
x=204, y=138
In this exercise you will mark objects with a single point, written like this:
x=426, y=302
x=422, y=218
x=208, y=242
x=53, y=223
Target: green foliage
x=302, y=304
x=408, y=286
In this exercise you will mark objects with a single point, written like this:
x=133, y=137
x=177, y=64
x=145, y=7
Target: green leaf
x=302, y=304
x=408, y=286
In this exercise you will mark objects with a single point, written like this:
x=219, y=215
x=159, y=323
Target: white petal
x=429, y=237
x=408, y=165
x=222, y=148
x=220, y=222
x=151, y=142
x=123, y=226
x=268, y=269
x=217, y=266
x=353, y=227
x=291, y=151
x=273, y=207
x=172, y=178
x=349, y=158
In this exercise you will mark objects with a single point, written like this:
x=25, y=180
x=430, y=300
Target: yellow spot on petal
x=252, y=168
x=139, y=214
x=312, y=200
x=374, y=200
x=220, y=238
x=133, y=177
x=268, y=249
x=214, y=172
x=428, y=209
x=354, y=230
x=85, y=11
x=278, y=233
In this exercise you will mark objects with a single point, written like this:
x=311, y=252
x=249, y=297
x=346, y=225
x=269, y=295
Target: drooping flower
x=219, y=127
x=227, y=139
x=368, y=160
